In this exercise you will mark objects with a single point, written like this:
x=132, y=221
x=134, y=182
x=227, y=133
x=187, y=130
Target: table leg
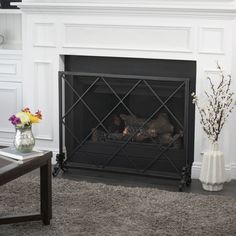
x=46, y=192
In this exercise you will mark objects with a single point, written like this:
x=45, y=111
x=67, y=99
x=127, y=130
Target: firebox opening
x=129, y=114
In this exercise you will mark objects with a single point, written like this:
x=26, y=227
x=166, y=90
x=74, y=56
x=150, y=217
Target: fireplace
x=172, y=30
x=128, y=115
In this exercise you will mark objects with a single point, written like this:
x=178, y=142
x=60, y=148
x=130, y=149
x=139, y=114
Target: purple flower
x=14, y=120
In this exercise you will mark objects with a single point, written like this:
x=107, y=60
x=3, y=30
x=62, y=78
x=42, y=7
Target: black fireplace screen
x=134, y=124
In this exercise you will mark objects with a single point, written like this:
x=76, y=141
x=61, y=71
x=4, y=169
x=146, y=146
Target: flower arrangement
x=220, y=103
x=25, y=118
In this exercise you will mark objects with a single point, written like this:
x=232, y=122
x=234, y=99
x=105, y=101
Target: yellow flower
x=33, y=118
x=24, y=118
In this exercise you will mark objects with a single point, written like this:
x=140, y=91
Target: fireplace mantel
x=201, y=31
x=208, y=8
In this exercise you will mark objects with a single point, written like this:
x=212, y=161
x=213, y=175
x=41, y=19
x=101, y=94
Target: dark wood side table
x=12, y=170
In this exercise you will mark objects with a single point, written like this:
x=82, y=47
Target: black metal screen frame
x=184, y=174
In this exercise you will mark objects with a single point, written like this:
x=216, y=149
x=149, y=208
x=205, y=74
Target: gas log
x=122, y=127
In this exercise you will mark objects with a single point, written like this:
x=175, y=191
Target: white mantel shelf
x=200, y=9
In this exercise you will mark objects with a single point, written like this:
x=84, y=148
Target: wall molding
x=203, y=41
x=14, y=91
x=8, y=68
x=47, y=31
x=201, y=9
x=135, y=29
x=46, y=104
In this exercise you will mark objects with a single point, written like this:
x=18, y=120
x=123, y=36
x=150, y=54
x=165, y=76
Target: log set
x=122, y=127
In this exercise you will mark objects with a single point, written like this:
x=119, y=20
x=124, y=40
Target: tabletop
x=11, y=169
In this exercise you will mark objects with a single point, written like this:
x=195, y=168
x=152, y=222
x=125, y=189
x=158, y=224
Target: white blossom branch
x=219, y=104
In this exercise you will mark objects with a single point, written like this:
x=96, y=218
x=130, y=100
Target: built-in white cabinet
x=10, y=71
x=10, y=102
x=11, y=29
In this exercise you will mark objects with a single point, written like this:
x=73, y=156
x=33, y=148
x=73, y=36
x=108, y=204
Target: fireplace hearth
x=127, y=115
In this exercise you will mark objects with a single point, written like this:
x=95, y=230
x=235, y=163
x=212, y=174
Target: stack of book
x=11, y=152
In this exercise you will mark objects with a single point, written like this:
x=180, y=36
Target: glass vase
x=24, y=140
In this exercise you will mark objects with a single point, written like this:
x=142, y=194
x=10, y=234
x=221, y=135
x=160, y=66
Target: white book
x=13, y=153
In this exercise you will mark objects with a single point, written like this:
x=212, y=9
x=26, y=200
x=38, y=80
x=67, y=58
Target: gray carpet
x=83, y=208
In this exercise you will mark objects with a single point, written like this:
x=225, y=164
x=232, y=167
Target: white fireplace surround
x=203, y=31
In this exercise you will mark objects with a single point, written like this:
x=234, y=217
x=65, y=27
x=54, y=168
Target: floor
x=139, y=181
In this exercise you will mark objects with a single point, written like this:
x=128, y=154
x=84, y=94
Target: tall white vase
x=212, y=173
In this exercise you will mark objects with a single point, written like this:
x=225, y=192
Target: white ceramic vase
x=212, y=173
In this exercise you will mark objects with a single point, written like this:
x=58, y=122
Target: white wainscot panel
x=9, y=68
x=44, y=35
x=215, y=77
x=10, y=103
x=128, y=37
x=43, y=99
x=211, y=40
x=214, y=74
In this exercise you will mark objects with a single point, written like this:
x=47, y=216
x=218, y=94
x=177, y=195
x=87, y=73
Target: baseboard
x=233, y=170
x=230, y=170
x=196, y=167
